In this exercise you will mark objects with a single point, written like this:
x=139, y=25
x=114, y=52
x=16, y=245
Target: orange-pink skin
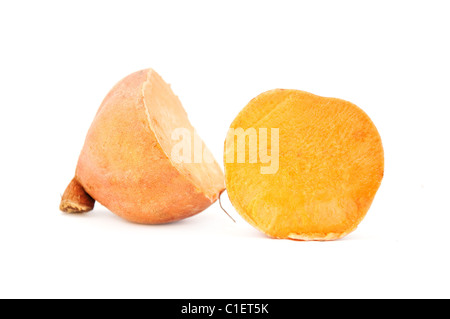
x=123, y=166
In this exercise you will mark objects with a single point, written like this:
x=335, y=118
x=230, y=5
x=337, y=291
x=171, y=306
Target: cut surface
x=170, y=123
x=330, y=166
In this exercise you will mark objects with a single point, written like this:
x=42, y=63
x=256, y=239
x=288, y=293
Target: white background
x=58, y=60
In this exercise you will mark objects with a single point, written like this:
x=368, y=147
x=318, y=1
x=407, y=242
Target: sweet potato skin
x=331, y=165
x=123, y=166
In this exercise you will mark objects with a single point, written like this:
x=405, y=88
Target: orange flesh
x=331, y=165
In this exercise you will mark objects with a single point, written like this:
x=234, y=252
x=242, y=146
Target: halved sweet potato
x=330, y=165
x=126, y=162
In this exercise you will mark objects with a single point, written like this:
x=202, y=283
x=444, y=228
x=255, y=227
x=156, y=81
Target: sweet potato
x=126, y=161
x=329, y=165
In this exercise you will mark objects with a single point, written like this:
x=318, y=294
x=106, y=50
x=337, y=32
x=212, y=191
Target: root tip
x=70, y=207
x=76, y=200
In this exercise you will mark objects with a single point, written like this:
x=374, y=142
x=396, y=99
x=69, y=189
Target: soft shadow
x=105, y=214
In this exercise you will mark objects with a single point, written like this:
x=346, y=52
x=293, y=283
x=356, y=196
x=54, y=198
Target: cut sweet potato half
x=330, y=165
x=126, y=162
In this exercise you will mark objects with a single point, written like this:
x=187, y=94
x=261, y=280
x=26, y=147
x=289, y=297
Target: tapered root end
x=76, y=200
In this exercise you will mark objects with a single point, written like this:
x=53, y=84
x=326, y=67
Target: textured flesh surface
x=125, y=164
x=330, y=167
